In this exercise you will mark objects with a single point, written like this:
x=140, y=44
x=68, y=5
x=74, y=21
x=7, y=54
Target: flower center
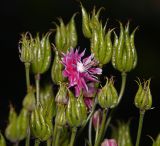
x=80, y=67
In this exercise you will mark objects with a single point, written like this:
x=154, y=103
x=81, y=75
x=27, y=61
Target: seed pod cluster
x=101, y=44
x=41, y=54
x=76, y=112
x=25, y=48
x=41, y=125
x=124, y=56
x=108, y=96
x=66, y=36
x=2, y=140
x=56, y=71
x=157, y=141
x=18, y=125
x=143, y=97
x=122, y=134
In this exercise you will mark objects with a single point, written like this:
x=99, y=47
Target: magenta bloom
x=109, y=142
x=80, y=71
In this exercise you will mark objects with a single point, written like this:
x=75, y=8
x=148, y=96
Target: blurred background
x=19, y=16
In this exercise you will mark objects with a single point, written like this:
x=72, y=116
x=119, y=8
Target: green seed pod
x=60, y=119
x=22, y=124
x=41, y=54
x=124, y=56
x=85, y=23
x=62, y=97
x=2, y=140
x=58, y=40
x=108, y=96
x=72, y=33
x=11, y=130
x=25, y=48
x=157, y=141
x=29, y=100
x=40, y=127
x=76, y=112
x=143, y=97
x=56, y=71
x=122, y=134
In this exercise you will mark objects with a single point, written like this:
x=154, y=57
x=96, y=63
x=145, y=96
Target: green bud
x=2, y=140
x=108, y=96
x=124, y=56
x=56, y=71
x=40, y=127
x=157, y=141
x=143, y=97
x=62, y=97
x=60, y=119
x=41, y=54
x=76, y=112
x=29, y=100
x=25, y=48
x=122, y=134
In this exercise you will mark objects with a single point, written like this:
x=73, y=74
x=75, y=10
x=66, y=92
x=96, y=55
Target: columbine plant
x=58, y=116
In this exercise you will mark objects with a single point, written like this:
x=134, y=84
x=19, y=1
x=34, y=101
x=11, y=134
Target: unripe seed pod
x=56, y=71
x=25, y=48
x=143, y=97
x=108, y=96
x=2, y=140
x=41, y=54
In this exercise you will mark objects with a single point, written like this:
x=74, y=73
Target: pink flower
x=88, y=102
x=97, y=118
x=109, y=142
x=80, y=71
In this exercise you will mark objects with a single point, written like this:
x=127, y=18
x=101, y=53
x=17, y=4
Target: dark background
x=37, y=16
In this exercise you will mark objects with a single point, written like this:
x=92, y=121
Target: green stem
x=27, y=67
x=73, y=135
x=101, y=131
x=36, y=142
x=140, y=127
x=90, y=132
x=27, y=143
x=37, y=79
x=49, y=142
x=57, y=137
x=123, y=84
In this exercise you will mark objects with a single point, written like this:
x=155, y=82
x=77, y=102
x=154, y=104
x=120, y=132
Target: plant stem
x=123, y=84
x=141, y=117
x=73, y=135
x=37, y=79
x=90, y=132
x=27, y=68
x=27, y=143
x=16, y=144
x=36, y=142
x=101, y=131
x=49, y=142
x=57, y=137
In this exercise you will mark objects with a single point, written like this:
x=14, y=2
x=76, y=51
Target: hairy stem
x=73, y=135
x=37, y=79
x=90, y=131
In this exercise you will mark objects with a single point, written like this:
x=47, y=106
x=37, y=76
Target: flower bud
x=124, y=56
x=157, y=141
x=97, y=118
x=109, y=142
x=88, y=102
x=60, y=119
x=122, y=134
x=25, y=48
x=2, y=140
x=76, y=112
x=29, y=100
x=40, y=127
x=41, y=54
x=108, y=96
x=143, y=97
x=56, y=71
